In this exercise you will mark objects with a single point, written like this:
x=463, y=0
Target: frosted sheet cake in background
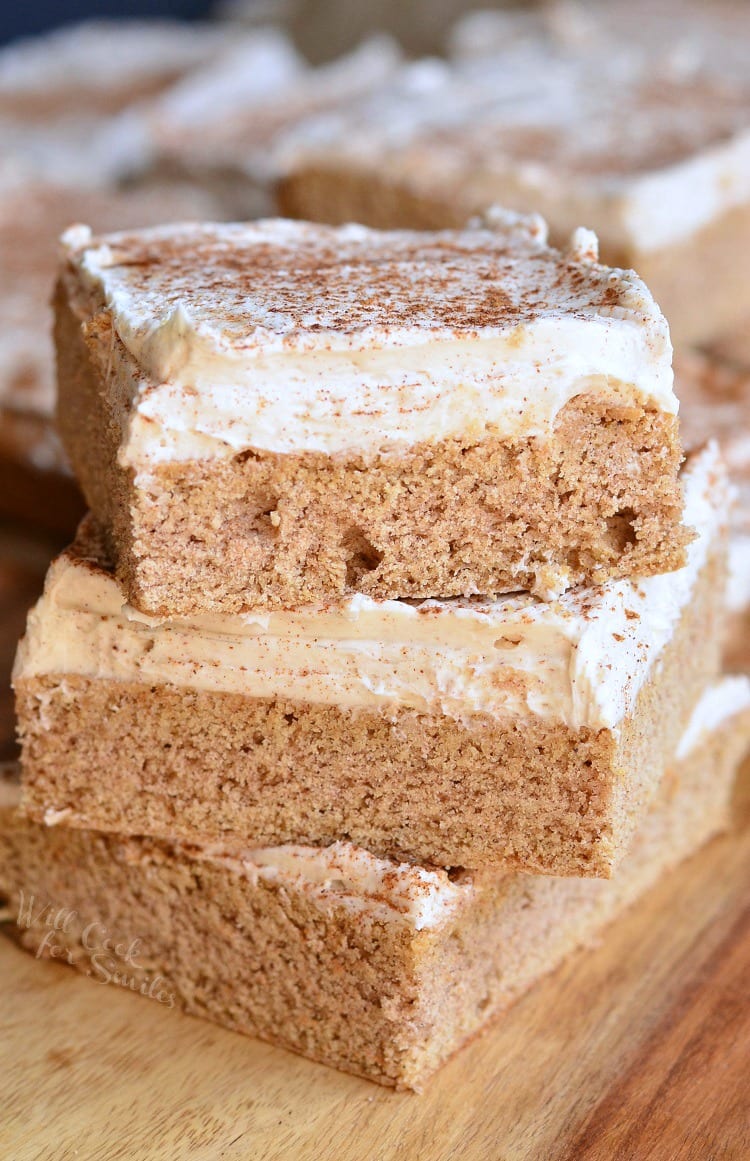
x=59, y=92
x=219, y=126
x=374, y=966
x=460, y=733
x=684, y=37
x=274, y=414
x=651, y=153
x=681, y=35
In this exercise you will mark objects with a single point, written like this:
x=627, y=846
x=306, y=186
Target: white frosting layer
x=580, y=660
x=721, y=702
x=288, y=337
x=342, y=874
x=256, y=70
x=666, y=207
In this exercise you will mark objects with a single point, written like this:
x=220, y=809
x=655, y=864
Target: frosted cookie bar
x=649, y=151
x=372, y=966
x=275, y=414
x=219, y=125
x=461, y=733
x=73, y=103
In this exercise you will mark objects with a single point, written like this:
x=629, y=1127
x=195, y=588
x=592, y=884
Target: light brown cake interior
x=203, y=764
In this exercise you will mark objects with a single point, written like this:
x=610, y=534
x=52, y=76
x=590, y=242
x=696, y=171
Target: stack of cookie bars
x=383, y=673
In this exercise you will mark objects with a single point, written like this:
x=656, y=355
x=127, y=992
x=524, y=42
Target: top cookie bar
x=277, y=414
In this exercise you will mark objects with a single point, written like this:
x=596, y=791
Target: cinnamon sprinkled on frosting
x=293, y=281
x=288, y=337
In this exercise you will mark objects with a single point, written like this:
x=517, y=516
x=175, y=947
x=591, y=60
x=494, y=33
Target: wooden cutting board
x=637, y=1051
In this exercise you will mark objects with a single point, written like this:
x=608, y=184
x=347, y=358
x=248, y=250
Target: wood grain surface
x=638, y=1050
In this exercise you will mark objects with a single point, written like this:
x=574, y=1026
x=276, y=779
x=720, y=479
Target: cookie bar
x=277, y=414
x=461, y=733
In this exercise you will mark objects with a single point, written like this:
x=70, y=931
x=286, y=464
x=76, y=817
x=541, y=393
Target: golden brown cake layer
x=599, y=498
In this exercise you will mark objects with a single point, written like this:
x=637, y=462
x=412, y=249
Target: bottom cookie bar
x=378, y=968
